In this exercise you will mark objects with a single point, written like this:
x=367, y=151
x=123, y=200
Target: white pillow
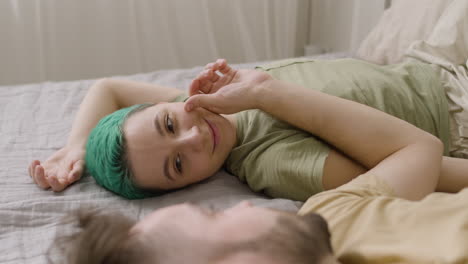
x=404, y=22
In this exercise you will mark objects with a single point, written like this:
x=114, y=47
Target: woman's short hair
x=106, y=155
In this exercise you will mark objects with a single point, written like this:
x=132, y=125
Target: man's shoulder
x=365, y=186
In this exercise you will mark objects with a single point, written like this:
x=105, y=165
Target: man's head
x=190, y=234
x=160, y=147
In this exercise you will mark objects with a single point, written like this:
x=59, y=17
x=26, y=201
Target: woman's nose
x=193, y=139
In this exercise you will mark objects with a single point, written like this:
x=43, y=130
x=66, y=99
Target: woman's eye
x=178, y=164
x=169, y=124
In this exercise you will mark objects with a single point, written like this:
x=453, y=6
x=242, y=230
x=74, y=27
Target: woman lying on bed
x=144, y=149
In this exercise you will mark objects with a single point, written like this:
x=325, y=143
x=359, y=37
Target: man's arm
x=406, y=157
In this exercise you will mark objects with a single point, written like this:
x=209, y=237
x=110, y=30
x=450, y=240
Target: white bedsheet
x=35, y=121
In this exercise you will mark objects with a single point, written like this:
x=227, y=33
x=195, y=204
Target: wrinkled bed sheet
x=35, y=120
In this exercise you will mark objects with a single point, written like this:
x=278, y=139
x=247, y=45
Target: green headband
x=104, y=156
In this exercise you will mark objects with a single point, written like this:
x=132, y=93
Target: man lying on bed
x=371, y=219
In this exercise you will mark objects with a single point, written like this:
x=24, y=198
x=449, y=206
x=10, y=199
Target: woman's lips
x=214, y=133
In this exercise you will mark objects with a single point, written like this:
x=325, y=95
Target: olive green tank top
x=280, y=160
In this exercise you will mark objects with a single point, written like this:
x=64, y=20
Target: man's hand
x=229, y=92
x=60, y=170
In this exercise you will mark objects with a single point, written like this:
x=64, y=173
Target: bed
x=35, y=122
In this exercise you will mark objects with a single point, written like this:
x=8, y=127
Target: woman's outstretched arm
x=109, y=95
x=104, y=97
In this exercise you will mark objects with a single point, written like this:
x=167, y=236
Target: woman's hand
x=60, y=170
x=232, y=92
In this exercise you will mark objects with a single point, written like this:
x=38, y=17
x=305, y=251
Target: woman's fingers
x=226, y=69
x=45, y=182
x=40, y=178
x=218, y=64
x=32, y=166
x=56, y=182
x=205, y=81
x=59, y=170
x=209, y=81
x=193, y=102
x=209, y=65
x=76, y=172
x=223, y=67
x=215, y=77
x=227, y=73
x=201, y=84
x=193, y=88
x=196, y=88
x=56, y=185
x=31, y=173
x=207, y=101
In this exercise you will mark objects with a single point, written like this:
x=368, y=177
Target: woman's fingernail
x=189, y=106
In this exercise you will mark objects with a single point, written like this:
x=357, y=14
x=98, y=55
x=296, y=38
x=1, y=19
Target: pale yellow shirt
x=370, y=225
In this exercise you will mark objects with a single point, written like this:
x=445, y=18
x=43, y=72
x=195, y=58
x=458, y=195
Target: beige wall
x=81, y=39
x=53, y=40
x=341, y=25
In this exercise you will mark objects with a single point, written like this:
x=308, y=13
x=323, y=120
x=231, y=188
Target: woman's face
x=170, y=148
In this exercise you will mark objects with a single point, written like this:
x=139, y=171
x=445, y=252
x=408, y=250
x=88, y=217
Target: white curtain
x=45, y=40
x=341, y=25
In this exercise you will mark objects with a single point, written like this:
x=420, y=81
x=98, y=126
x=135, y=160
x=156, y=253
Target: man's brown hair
x=105, y=238
x=97, y=238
